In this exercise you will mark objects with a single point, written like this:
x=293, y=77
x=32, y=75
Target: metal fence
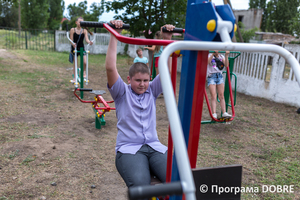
x=33, y=39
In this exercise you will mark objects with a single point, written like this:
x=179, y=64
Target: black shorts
x=78, y=53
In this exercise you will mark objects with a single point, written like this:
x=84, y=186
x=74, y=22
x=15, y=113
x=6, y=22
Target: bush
x=246, y=34
x=126, y=49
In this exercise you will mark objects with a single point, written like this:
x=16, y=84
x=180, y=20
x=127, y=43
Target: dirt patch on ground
x=5, y=54
x=51, y=149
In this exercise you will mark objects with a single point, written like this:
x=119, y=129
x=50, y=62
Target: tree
x=96, y=10
x=295, y=25
x=280, y=13
x=75, y=11
x=56, y=9
x=8, y=14
x=34, y=13
x=149, y=14
x=257, y=4
x=246, y=34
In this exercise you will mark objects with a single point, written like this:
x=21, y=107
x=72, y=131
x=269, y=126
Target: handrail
x=180, y=148
x=137, y=41
x=87, y=61
x=75, y=60
x=235, y=84
x=247, y=47
x=69, y=38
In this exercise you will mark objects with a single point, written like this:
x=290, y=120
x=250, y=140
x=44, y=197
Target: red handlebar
x=136, y=41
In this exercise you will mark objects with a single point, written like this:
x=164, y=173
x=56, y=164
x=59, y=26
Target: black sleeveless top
x=80, y=42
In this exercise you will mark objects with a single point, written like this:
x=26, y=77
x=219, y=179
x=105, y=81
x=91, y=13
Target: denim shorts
x=215, y=79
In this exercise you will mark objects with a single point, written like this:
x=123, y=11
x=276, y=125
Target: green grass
x=48, y=58
x=279, y=164
x=28, y=159
x=14, y=154
x=31, y=40
x=37, y=79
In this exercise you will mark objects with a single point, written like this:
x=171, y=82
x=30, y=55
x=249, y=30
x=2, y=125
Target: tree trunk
x=238, y=29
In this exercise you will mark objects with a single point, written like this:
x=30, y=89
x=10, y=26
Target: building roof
x=63, y=19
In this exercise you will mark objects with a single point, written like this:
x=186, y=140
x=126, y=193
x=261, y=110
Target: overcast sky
x=236, y=4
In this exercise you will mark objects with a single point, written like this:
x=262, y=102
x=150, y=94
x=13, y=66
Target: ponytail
x=88, y=30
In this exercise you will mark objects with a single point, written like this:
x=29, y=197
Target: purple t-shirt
x=136, y=116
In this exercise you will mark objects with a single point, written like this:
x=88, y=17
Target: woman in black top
x=74, y=35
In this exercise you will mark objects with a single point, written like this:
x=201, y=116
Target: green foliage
x=257, y=4
x=76, y=11
x=9, y=14
x=28, y=159
x=64, y=24
x=14, y=154
x=96, y=10
x=279, y=15
x=295, y=25
x=56, y=9
x=294, y=42
x=126, y=48
x=34, y=13
x=149, y=14
x=246, y=34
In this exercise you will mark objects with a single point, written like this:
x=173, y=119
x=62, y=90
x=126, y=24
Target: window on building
x=240, y=18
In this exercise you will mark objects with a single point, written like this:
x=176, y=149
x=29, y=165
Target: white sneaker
x=226, y=115
x=215, y=115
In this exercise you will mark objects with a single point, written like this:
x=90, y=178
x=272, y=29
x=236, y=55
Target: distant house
x=61, y=22
x=273, y=38
x=63, y=19
x=250, y=18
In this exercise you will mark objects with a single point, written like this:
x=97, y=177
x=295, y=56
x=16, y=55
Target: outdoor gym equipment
x=214, y=23
x=80, y=70
x=97, y=108
x=99, y=111
x=227, y=92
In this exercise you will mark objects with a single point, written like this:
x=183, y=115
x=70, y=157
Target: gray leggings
x=135, y=168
